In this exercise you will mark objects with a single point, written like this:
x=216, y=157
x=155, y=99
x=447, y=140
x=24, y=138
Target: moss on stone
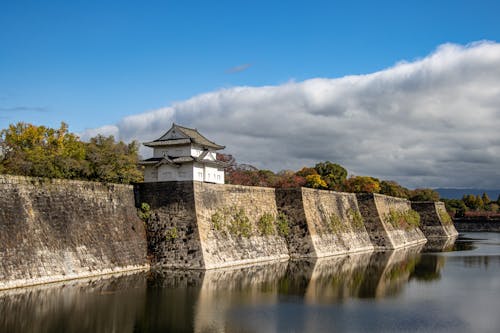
x=408, y=219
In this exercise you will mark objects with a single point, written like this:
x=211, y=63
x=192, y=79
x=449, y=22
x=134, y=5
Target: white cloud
x=431, y=122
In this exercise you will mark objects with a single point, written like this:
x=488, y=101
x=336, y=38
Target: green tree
x=362, y=184
x=40, y=151
x=486, y=199
x=479, y=202
x=424, y=194
x=114, y=162
x=455, y=206
x=333, y=174
x=392, y=188
x=470, y=201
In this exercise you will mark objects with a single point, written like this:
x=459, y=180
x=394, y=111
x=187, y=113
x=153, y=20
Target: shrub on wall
x=335, y=224
x=144, y=212
x=283, y=224
x=356, y=219
x=171, y=234
x=444, y=216
x=408, y=219
x=232, y=219
x=266, y=224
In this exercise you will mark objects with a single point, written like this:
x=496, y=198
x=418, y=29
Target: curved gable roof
x=179, y=135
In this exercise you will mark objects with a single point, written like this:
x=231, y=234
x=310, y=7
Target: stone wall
x=434, y=219
x=53, y=230
x=322, y=223
x=215, y=225
x=172, y=231
x=237, y=224
x=375, y=209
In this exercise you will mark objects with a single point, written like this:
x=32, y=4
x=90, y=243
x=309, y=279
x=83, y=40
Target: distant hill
x=458, y=193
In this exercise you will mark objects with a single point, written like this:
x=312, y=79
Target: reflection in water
x=464, y=244
x=439, y=244
x=207, y=301
x=99, y=305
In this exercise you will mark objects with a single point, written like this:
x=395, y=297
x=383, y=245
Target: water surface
x=440, y=287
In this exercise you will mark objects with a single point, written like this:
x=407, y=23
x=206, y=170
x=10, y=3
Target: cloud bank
x=430, y=122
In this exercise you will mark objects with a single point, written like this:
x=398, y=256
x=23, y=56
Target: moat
x=439, y=287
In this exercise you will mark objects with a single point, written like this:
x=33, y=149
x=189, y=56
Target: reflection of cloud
x=431, y=122
x=239, y=68
x=23, y=108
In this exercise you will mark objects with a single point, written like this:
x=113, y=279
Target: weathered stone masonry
x=434, y=220
x=322, y=223
x=52, y=230
x=375, y=209
x=215, y=225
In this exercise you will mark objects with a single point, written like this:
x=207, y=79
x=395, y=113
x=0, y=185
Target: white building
x=183, y=154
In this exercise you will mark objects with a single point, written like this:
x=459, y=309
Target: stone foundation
x=434, y=220
x=215, y=225
x=375, y=208
x=322, y=223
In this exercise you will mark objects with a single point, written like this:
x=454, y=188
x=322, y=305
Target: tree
x=289, y=179
x=315, y=181
x=424, y=194
x=114, y=162
x=306, y=171
x=455, y=206
x=39, y=151
x=332, y=174
x=486, y=199
x=470, y=201
x=362, y=184
x=389, y=187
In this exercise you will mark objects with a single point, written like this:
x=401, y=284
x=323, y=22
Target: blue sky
x=92, y=64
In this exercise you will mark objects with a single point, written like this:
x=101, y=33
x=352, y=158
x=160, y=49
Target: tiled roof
x=193, y=135
x=181, y=159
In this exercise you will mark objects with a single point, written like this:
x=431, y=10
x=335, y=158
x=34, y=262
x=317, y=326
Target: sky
x=400, y=90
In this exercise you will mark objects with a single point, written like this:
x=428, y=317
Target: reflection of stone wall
x=219, y=300
x=434, y=220
x=374, y=209
x=52, y=230
x=97, y=305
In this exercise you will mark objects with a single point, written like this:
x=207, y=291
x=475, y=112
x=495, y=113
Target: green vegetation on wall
x=171, y=234
x=266, y=224
x=335, y=224
x=444, y=216
x=356, y=219
x=408, y=219
x=283, y=224
x=144, y=212
x=233, y=220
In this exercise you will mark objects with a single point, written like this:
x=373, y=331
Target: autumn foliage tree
x=362, y=184
x=40, y=151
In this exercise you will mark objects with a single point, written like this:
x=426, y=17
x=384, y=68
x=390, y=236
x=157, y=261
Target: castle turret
x=182, y=153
